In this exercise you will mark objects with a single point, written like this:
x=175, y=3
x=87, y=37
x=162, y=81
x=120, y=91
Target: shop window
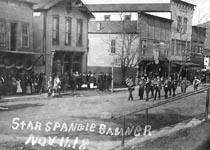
x=25, y=35
x=2, y=33
x=68, y=31
x=79, y=32
x=55, y=30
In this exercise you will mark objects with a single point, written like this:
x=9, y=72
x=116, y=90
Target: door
x=13, y=37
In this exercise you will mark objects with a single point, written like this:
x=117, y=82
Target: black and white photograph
x=104, y=74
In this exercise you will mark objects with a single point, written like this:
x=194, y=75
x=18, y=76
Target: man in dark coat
x=100, y=81
x=169, y=86
x=141, y=84
x=147, y=88
x=174, y=86
x=157, y=88
x=166, y=88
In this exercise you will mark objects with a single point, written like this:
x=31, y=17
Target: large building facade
x=111, y=17
x=61, y=33
x=108, y=42
x=16, y=40
x=181, y=31
x=198, y=45
x=154, y=37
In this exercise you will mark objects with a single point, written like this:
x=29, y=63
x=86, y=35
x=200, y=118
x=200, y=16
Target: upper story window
x=68, y=31
x=113, y=46
x=55, y=30
x=179, y=24
x=79, y=32
x=99, y=26
x=107, y=17
x=127, y=17
x=144, y=44
x=2, y=33
x=185, y=25
x=25, y=35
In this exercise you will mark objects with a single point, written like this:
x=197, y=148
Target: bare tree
x=126, y=47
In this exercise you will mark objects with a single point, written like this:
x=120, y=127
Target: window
x=179, y=24
x=68, y=31
x=188, y=47
x=25, y=36
x=55, y=30
x=99, y=26
x=183, y=47
x=113, y=44
x=173, y=47
x=185, y=25
x=107, y=17
x=178, y=47
x=144, y=44
x=2, y=33
x=79, y=32
x=127, y=17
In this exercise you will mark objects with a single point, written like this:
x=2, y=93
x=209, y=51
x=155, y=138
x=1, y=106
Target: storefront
x=68, y=62
x=150, y=68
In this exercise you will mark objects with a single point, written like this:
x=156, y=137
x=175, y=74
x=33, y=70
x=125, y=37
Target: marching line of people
x=152, y=87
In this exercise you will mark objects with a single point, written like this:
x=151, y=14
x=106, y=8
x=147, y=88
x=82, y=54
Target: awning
x=13, y=63
x=20, y=52
x=188, y=64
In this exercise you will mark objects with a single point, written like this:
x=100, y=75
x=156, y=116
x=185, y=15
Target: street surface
x=37, y=120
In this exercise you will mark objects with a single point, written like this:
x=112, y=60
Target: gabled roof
x=113, y=27
x=150, y=7
x=156, y=17
x=183, y=2
x=47, y=4
x=27, y=2
x=205, y=25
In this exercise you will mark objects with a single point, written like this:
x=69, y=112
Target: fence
x=170, y=100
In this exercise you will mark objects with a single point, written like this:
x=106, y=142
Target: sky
x=201, y=13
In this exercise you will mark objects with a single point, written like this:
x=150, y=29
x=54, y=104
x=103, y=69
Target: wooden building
x=16, y=40
x=61, y=33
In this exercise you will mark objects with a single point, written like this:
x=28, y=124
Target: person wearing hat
x=157, y=87
x=147, y=88
x=141, y=84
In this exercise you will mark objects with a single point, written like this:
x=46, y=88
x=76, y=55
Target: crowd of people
x=152, y=86
x=22, y=83
x=78, y=81
x=29, y=83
